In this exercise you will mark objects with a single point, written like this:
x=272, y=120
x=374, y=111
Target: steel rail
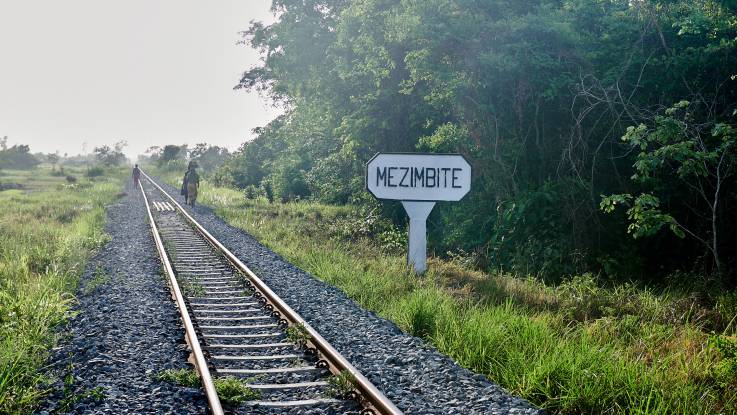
x=199, y=358
x=371, y=393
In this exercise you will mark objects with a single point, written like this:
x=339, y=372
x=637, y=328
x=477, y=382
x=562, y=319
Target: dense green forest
x=601, y=132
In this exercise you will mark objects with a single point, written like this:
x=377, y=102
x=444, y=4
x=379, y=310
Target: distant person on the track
x=136, y=175
x=192, y=181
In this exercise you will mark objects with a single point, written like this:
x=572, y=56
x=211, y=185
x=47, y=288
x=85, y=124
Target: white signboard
x=418, y=177
x=418, y=180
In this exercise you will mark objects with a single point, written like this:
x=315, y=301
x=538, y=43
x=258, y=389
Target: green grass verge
x=579, y=347
x=48, y=230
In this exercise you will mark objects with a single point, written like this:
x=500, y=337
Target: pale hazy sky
x=151, y=72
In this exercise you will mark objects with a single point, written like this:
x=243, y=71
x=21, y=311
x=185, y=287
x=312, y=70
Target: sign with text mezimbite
x=418, y=177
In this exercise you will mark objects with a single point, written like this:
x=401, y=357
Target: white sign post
x=418, y=180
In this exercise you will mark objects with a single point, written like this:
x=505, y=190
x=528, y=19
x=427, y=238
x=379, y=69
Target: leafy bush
x=288, y=181
x=525, y=234
x=393, y=240
x=252, y=192
x=268, y=191
x=95, y=171
x=583, y=298
x=726, y=306
x=687, y=156
x=334, y=179
x=725, y=372
x=366, y=223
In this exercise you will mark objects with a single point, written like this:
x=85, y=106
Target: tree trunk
x=714, y=224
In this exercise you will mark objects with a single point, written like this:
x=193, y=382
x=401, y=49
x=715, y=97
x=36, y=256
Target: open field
x=48, y=230
x=580, y=347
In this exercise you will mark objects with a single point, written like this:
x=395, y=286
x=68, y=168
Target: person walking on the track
x=136, y=175
x=183, y=191
x=192, y=183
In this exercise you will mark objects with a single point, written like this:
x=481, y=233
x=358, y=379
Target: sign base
x=417, y=252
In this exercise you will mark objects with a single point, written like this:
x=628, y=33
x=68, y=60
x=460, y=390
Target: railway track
x=237, y=327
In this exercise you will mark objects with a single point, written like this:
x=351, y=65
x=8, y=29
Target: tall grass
x=47, y=232
x=580, y=347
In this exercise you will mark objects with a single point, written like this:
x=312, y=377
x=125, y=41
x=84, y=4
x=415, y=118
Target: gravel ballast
x=410, y=372
x=127, y=329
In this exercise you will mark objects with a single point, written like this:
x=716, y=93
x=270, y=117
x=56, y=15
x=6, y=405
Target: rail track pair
x=236, y=326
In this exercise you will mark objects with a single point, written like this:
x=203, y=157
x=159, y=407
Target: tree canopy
x=537, y=94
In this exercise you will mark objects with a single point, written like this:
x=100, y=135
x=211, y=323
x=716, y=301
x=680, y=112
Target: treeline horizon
x=20, y=156
x=602, y=134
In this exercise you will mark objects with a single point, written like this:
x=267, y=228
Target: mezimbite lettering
x=418, y=177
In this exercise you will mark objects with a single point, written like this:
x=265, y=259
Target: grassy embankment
x=577, y=347
x=48, y=229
